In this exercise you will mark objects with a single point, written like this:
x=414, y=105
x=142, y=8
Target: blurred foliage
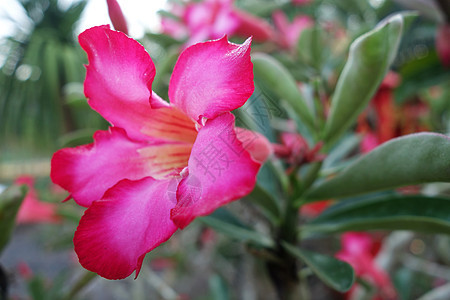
x=41, y=78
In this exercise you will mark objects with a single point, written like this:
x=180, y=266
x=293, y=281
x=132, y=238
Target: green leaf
x=392, y=212
x=36, y=288
x=163, y=39
x=10, y=201
x=261, y=197
x=419, y=74
x=335, y=273
x=312, y=46
x=218, y=287
x=223, y=221
x=408, y=160
x=77, y=138
x=369, y=60
x=275, y=76
x=341, y=150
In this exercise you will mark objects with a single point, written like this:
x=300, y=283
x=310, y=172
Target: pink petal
x=391, y=80
x=32, y=209
x=166, y=160
x=117, y=231
x=256, y=144
x=290, y=32
x=250, y=25
x=225, y=22
x=357, y=242
x=211, y=78
x=157, y=102
x=169, y=124
x=119, y=78
x=88, y=171
x=173, y=28
x=369, y=142
x=281, y=21
x=220, y=171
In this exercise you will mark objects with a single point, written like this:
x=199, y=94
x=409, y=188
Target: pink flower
x=160, y=165
x=289, y=33
x=32, y=209
x=211, y=19
x=359, y=249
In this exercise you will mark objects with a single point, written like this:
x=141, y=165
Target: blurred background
x=43, y=108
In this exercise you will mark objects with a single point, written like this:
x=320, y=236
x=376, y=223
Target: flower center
x=175, y=134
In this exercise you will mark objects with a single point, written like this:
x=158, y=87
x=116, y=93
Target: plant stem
x=80, y=284
x=284, y=273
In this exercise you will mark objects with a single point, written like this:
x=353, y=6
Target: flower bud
x=116, y=16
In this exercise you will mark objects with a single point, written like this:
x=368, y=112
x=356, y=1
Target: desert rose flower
x=32, y=209
x=211, y=19
x=160, y=165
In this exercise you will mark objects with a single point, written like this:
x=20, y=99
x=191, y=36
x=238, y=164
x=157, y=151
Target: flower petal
x=255, y=143
x=250, y=25
x=88, y=171
x=166, y=160
x=119, y=78
x=169, y=124
x=211, y=78
x=220, y=171
x=117, y=231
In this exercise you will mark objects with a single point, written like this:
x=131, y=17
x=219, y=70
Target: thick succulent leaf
x=335, y=273
x=392, y=212
x=408, y=160
x=312, y=46
x=223, y=221
x=275, y=76
x=10, y=201
x=369, y=59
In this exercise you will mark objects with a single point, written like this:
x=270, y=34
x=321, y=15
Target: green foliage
x=335, y=273
x=369, y=60
x=275, y=77
x=10, y=201
x=392, y=212
x=223, y=221
x=261, y=197
x=39, y=64
x=412, y=159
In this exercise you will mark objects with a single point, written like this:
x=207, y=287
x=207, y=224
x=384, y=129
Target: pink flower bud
x=117, y=18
